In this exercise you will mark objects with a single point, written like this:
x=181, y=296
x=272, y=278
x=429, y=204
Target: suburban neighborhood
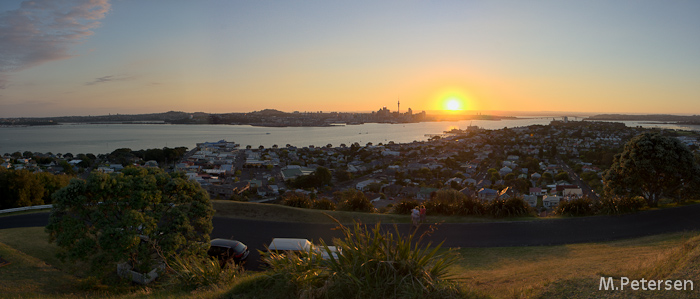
x=543, y=164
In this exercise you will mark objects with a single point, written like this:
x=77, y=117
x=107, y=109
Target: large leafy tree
x=653, y=166
x=132, y=216
x=20, y=188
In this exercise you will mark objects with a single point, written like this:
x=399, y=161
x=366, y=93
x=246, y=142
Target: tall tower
x=398, y=106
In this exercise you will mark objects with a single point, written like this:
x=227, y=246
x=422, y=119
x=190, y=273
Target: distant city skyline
x=100, y=57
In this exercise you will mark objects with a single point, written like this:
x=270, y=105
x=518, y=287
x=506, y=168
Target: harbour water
x=104, y=138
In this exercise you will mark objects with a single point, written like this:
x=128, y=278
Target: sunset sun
x=453, y=104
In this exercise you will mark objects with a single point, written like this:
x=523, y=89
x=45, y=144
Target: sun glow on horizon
x=452, y=99
x=453, y=104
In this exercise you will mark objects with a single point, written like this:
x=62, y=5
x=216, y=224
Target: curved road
x=257, y=233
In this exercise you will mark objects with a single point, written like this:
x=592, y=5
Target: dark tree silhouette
x=653, y=166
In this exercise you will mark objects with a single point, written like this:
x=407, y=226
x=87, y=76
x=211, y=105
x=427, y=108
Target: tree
x=547, y=177
x=374, y=187
x=131, y=216
x=562, y=176
x=323, y=176
x=342, y=175
x=653, y=166
x=20, y=188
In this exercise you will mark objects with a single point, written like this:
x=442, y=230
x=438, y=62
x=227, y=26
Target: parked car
x=283, y=245
x=226, y=250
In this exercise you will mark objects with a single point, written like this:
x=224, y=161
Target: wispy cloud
x=106, y=79
x=43, y=30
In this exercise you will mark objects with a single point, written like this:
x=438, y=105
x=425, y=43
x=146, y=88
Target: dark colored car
x=226, y=250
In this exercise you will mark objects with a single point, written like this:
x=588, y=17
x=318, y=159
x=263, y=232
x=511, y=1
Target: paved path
x=257, y=233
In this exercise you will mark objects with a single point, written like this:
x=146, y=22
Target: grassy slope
x=574, y=271
x=516, y=272
x=571, y=271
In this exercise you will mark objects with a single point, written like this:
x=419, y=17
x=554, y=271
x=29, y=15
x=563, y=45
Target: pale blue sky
x=238, y=56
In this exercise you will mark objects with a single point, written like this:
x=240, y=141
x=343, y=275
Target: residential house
x=455, y=179
x=362, y=186
x=151, y=163
x=293, y=171
x=572, y=192
x=392, y=190
x=227, y=190
x=550, y=201
x=531, y=200
x=505, y=170
x=537, y=191
x=468, y=192
x=507, y=193
x=486, y=194
x=116, y=167
x=410, y=192
x=426, y=193
x=483, y=183
x=104, y=169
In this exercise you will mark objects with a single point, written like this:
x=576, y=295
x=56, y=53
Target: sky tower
x=398, y=106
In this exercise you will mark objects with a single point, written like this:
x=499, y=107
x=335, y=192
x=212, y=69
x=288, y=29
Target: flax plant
x=372, y=263
x=193, y=272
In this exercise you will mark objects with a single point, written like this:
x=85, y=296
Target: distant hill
x=648, y=117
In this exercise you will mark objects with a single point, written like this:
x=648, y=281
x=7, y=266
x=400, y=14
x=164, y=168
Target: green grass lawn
x=281, y=213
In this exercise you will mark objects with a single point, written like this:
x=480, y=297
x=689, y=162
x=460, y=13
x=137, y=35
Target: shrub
x=576, y=207
x=354, y=200
x=619, y=205
x=405, y=206
x=514, y=206
x=296, y=199
x=324, y=204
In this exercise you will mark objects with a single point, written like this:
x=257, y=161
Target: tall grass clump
x=324, y=204
x=192, y=272
x=470, y=206
x=372, y=264
x=619, y=205
x=296, y=199
x=447, y=202
x=514, y=206
x=582, y=206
